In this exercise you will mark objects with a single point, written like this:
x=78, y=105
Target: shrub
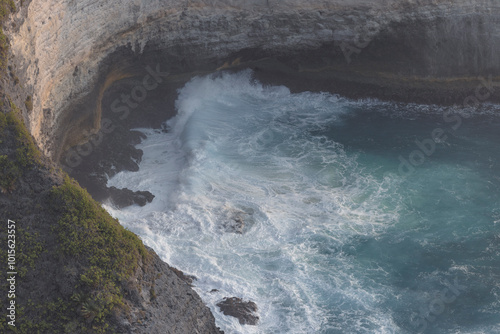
x=24, y=156
x=29, y=103
x=108, y=252
x=6, y=7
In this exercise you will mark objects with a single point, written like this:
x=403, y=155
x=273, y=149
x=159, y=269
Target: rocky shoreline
x=73, y=60
x=114, y=152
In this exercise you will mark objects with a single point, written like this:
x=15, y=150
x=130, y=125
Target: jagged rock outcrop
x=69, y=51
x=244, y=311
x=165, y=303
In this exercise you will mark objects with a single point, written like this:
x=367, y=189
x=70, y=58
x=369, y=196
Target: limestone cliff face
x=65, y=48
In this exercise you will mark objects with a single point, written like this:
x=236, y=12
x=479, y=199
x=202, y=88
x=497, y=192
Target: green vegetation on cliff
x=6, y=7
x=107, y=253
x=25, y=156
x=110, y=254
x=28, y=103
x=96, y=254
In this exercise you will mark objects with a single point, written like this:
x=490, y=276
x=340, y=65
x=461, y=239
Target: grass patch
x=25, y=155
x=108, y=252
x=6, y=7
x=29, y=248
x=28, y=103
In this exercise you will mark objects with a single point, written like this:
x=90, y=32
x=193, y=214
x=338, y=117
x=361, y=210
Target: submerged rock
x=234, y=224
x=124, y=197
x=245, y=312
x=237, y=221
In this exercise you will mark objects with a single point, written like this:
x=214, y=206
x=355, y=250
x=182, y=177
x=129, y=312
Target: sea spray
x=294, y=201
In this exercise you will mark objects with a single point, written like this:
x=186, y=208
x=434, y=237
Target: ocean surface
x=332, y=215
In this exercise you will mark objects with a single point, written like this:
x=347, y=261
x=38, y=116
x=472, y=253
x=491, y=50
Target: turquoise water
x=342, y=233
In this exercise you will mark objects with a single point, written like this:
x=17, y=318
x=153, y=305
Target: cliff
x=71, y=268
x=68, y=56
x=68, y=52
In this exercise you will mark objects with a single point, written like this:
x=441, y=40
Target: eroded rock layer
x=71, y=51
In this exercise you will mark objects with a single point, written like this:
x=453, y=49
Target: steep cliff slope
x=71, y=267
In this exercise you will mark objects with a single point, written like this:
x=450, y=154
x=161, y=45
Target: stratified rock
x=395, y=48
x=243, y=311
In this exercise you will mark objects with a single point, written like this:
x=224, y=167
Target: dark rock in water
x=235, y=224
x=107, y=158
x=243, y=311
x=143, y=197
x=214, y=290
x=124, y=197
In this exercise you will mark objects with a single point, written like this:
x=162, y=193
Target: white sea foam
x=239, y=150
